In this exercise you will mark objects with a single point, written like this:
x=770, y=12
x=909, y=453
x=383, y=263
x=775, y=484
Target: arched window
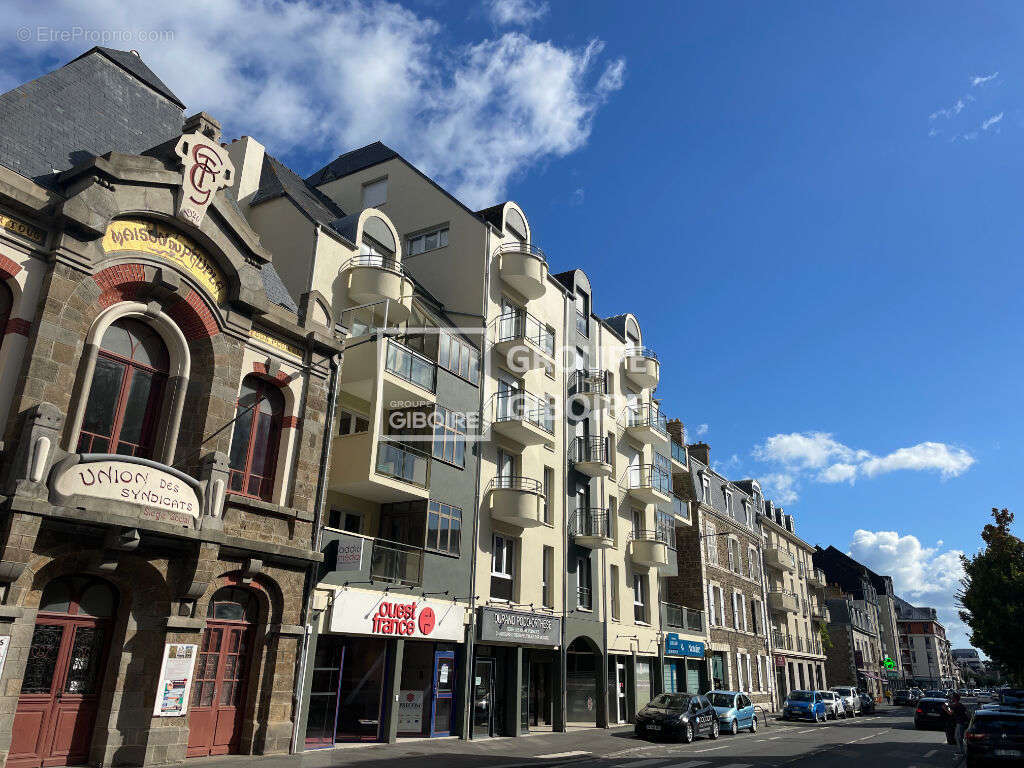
x=232, y=604
x=127, y=389
x=79, y=596
x=6, y=304
x=256, y=438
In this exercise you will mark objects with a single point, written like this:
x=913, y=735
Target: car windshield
x=935, y=694
x=801, y=696
x=999, y=724
x=721, y=699
x=671, y=701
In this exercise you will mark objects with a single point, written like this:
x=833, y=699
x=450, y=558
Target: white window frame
x=739, y=671
x=753, y=567
x=442, y=234
x=705, y=485
x=728, y=501
x=507, y=547
x=711, y=541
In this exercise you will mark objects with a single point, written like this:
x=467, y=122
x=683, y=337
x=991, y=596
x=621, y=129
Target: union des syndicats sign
x=519, y=627
x=165, y=495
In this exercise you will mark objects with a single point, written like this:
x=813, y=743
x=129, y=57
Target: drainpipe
x=318, y=513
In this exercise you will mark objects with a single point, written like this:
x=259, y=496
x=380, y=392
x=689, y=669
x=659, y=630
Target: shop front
x=516, y=681
x=386, y=666
x=685, y=670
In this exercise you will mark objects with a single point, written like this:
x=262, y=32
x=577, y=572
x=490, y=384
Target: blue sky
x=817, y=203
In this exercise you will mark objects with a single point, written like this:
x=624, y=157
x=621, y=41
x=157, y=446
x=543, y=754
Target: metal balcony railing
x=533, y=250
x=589, y=449
x=679, y=453
x=647, y=415
x=649, y=476
x=678, y=616
x=403, y=462
x=411, y=366
x=373, y=260
x=593, y=521
x=639, y=351
x=522, y=406
x=782, y=640
x=584, y=598
x=590, y=382
x=650, y=534
x=521, y=325
x=516, y=483
x=680, y=507
x=397, y=563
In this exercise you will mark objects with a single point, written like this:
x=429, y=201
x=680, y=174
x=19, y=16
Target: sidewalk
x=535, y=749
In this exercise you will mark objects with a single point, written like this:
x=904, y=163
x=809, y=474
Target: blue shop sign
x=677, y=646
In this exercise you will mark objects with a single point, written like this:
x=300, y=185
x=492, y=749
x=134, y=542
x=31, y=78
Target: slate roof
x=618, y=324
x=102, y=101
x=353, y=161
x=277, y=180
x=718, y=487
x=276, y=290
x=493, y=215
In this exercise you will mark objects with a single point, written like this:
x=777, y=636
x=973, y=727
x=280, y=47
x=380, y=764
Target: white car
x=834, y=707
x=850, y=697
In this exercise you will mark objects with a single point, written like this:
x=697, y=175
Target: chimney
x=676, y=430
x=247, y=156
x=701, y=452
x=789, y=523
x=202, y=123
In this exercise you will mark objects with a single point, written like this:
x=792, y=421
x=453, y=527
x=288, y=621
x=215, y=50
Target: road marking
x=710, y=749
x=773, y=738
x=929, y=754
x=808, y=730
x=555, y=755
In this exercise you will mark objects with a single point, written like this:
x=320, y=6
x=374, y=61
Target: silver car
x=834, y=708
x=851, y=698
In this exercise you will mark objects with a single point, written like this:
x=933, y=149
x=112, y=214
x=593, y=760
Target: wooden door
x=218, y=690
x=56, y=712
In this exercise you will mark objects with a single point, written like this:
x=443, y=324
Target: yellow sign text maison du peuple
x=138, y=236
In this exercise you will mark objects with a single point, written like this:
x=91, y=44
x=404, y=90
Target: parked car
x=850, y=697
x=1012, y=696
x=834, y=706
x=806, y=705
x=931, y=713
x=677, y=716
x=734, y=710
x=935, y=693
x=867, y=704
x=917, y=693
x=995, y=736
x=902, y=698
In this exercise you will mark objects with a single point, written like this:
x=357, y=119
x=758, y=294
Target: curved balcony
x=371, y=278
x=590, y=528
x=641, y=366
x=778, y=559
x=523, y=341
x=522, y=417
x=590, y=456
x=783, y=601
x=649, y=548
x=646, y=423
x=524, y=267
x=591, y=388
x=518, y=501
x=648, y=483
x=816, y=578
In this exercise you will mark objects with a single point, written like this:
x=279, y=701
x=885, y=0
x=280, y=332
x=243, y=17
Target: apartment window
x=584, y=586
x=375, y=193
x=741, y=602
x=547, y=578
x=613, y=519
x=716, y=607
x=350, y=522
x=739, y=671
x=639, y=598
x=748, y=514
x=549, y=489
x=638, y=522
x=444, y=528
x=728, y=501
x=666, y=527
x=756, y=620
x=582, y=313
x=735, y=560
x=428, y=241
x=502, y=560
x=705, y=489
x=352, y=423
x=450, y=436
x=614, y=581
x=462, y=359
x=760, y=675
x=548, y=417
x=711, y=542
x=753, y=569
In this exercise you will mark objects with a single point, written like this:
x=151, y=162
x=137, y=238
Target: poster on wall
x=175, y=680
x=5, y=643
x=410, y=712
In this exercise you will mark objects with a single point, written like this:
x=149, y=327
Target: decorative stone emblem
x=207, y=169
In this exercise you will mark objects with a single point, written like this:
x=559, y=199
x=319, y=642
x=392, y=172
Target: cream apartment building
x=796, y=604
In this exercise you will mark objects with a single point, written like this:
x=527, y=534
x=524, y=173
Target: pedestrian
x=888, y=696
x=960, y=717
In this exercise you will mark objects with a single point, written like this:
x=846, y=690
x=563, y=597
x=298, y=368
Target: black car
x=931, y=713
x=995, y=737
x=682, y=716
x=867, y=704
x=903, y=698
x=1012, y=696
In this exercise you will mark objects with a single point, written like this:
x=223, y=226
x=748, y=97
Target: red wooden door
x=218, y=690
x=56, y=712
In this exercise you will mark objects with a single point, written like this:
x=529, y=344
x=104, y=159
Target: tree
x=992, y=595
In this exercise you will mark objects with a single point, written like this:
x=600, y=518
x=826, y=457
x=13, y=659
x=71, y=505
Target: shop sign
x=350, y=554
x=677, y=646
x=410, y=712
x=384, y=615
x=154, y=239
x=780, y=661
x=518, y=627
x=272, y=341
x=207, y=169
x=23, y=228
x=175, y=680
x=165, y=496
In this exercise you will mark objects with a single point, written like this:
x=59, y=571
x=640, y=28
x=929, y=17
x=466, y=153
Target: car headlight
x=684, y=718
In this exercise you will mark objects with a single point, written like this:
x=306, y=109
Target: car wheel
x=714, y=729
x=688, y=734
x=753, y=725
x=734, y=727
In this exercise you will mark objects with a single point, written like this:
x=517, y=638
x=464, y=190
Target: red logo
x=427, y=621
x=410, y=697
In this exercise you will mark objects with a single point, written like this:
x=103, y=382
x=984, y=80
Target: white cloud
x=982, y=79
x=991, y=121
x=702, y=429
x=956, y=109
x=819, y=456
x=925, y=576
x=780, y=486
x=520, y=13
x=313, y=79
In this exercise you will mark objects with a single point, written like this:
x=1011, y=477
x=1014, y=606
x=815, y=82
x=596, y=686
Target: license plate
x=1009, y=753
x=653, y=727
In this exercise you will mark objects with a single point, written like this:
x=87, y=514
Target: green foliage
x=826, y=641
x=992, y=596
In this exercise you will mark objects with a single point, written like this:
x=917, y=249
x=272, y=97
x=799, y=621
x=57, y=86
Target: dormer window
x=705, y=489
x=728, y=501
